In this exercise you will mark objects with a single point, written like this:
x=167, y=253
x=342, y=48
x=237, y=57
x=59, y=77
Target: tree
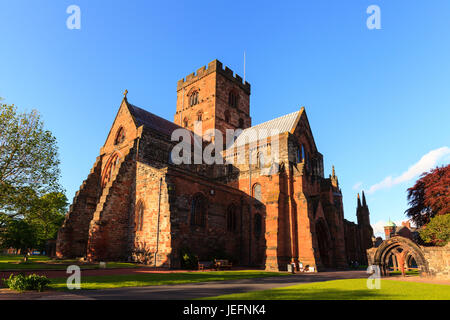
x=437, y=231
x=43, y=215
x=46, y=216
x=430, y=196
x=19, y=234
x=29, y=161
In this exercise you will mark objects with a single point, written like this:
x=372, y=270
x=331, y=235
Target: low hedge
x=21, y=282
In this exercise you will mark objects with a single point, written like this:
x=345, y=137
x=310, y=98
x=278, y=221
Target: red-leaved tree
x=430, y=196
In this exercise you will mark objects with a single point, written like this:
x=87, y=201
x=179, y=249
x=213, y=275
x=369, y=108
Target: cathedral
x=271, y=207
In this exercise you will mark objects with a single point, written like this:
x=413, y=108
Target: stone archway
x=324, y=243
x=397, y=245
x=411, y=262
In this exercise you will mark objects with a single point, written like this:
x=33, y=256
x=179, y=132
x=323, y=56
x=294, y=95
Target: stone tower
x=362, y=212
x=365, y=229
x=389, y=229
x=216, y=96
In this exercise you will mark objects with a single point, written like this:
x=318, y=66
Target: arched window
x=193, y=99
x=298, y=156
x=198, y=210
x=139, y=216
x=241, y=123
x=260, y=160
x=120, y=136
x=257, y=191
x=185, y=122
x=109, y=169
x=199, y=116
x=231, y=218
x=233, y=99
x=227, y=116
x=258, y=225
x=303, y=153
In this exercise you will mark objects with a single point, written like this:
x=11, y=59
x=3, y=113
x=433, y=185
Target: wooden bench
x=224, y=264
x=202, y=265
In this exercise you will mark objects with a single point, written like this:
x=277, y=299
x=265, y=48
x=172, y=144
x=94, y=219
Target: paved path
x=188, y=291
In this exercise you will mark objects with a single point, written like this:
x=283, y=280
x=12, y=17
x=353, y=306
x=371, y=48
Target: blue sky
x=378, y=101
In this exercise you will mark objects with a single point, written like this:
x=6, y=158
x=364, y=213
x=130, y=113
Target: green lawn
x=14, y=258
x=155, y=279
x=352, y=289
x=409, y=273
x=15, y=262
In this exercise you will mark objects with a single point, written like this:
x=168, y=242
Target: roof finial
x=125, y=93
x=334, y=179
x=390, y=223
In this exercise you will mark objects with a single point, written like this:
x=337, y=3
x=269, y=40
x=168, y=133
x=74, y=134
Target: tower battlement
x=214, y=66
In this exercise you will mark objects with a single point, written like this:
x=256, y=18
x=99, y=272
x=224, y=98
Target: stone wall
x=352, y=243
x=73, y=235
x=108, y=230
x=438, y=259
x=214, y=237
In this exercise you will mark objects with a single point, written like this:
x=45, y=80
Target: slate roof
x=286, y=123
x=152, y=121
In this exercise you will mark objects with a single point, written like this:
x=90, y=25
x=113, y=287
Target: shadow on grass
x=155, y=279
x=325, y=294
x=350, y=289
x=59, y=265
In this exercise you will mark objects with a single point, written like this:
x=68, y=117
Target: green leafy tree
x=29, y=163
x=47, y=215
x=19, y=234
x=43, y=215
x=3, y=221
x=437, y=231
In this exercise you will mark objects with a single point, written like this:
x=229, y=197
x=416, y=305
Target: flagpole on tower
x=244, y=66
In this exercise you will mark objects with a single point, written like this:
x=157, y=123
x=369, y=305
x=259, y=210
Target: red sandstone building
x=136, y=204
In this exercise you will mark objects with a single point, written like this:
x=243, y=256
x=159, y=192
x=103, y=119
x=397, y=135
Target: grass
x=156, y=279
x=14, y=258
x=15, y=262
x=409, y=273
x=351, y=289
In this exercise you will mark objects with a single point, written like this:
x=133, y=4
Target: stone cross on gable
x=125, y=93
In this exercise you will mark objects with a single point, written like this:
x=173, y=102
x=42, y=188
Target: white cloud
x=357, y=186
x=378, y=227
x=426, y=163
